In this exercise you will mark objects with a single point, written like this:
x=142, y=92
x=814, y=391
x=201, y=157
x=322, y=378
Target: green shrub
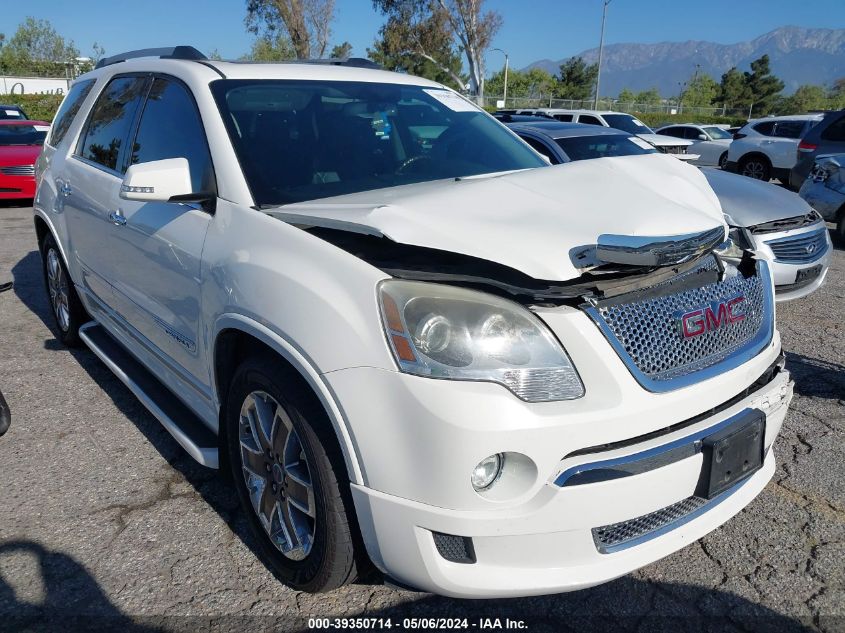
x=38, y=107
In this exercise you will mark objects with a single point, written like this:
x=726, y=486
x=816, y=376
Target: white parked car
x=767, y=148
x=411, y=347
x=679, y=148
x=710, y=142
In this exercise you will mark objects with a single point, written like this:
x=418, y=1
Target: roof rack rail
x=172, y=52
x=355, y=62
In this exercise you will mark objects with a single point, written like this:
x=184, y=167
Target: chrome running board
x=182, y=423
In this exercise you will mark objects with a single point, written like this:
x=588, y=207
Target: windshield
x=304, y=140
x=627, y=123
x=22, y=135
x=717, y=133
x=586, y=147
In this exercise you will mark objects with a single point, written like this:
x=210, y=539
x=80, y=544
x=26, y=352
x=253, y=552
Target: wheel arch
x=754, y=154
x=43, y=228
x=235, y=338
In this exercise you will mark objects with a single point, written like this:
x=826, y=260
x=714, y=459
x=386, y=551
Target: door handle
x=117, y=218
x=65, y=190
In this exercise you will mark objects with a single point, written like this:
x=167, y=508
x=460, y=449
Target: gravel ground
x=106, y=523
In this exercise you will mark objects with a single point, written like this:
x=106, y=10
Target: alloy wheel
x=754, y=169
x=59, y=292
x=277, y=475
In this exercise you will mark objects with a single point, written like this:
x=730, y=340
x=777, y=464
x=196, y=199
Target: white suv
x=767, y=148
x=354, y=290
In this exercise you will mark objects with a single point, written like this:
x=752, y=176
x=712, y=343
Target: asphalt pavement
x=106, y=523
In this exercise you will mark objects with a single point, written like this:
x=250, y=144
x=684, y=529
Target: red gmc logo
x=707, y=319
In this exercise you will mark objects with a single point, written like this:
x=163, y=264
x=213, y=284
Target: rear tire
x=723, y=160
x=291, y=478
x=68, y=312
x=757, y=167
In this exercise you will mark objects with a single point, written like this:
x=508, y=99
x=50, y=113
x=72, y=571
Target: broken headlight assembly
x=449, y=332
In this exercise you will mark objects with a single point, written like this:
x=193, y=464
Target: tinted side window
x=588, y=119
x=171, y=128
x=563, y=117
x=835, y=131
x=110, y=121
x=677, y=132
x=692, y=134
x=69, y=109
x=789, y=129
x=765, y=128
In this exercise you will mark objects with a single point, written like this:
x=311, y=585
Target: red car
x=20, y=144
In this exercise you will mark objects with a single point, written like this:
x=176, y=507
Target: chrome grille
x=609, y=538
x=18, y=170
x=646, y=332
x=800, y=249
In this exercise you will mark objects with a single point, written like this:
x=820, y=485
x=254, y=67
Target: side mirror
x=703, y=137
x=158, y=180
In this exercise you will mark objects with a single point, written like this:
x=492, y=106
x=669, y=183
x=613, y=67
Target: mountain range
x=798, y=56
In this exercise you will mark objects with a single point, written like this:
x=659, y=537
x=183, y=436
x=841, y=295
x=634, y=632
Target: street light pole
x=505, y=97
x=601, y=51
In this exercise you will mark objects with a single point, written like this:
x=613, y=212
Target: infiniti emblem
x=810, y=248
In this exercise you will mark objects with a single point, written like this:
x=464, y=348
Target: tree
x=341, y=51
x=576, y=79
x=626, y=96
x=650, y=96
x=733, y=90
x=417, y=39
x=270, y=48
x=36, y=48
x=701, y=90
x=470, y=27
x=763, y=86
x=534, y=84
x=305, y=23
x=806, y=97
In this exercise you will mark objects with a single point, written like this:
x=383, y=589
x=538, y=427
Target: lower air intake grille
x=457, y=549
x=19, y=170
x=613, y=537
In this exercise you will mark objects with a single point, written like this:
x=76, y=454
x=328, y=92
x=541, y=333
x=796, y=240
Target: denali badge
x=712, y=317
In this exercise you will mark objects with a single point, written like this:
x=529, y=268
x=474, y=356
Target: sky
x=532, y=29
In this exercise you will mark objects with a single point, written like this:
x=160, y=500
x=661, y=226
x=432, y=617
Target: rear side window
x=766, y=129
x=677, y=132
x=789, y=129
x=563, y=117
x=835, y=131
x=171, y=128
x=588, y=119
x=68, y=110
x=110, y=121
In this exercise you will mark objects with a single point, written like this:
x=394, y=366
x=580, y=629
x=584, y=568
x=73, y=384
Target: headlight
x=735, y=246
x=448, y=332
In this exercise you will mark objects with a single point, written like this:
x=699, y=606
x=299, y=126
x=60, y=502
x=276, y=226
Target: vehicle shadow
x=627, y=604
x=816, y=378
x=72, y=599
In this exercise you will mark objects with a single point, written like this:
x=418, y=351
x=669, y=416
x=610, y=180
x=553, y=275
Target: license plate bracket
x=732, y=454
x=808, y=274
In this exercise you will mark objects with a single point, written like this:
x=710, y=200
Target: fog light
x=487, y=471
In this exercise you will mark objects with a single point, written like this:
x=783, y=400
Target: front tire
x=757, y=167
x=290, y=478
x=68, y=311
x=723, y=160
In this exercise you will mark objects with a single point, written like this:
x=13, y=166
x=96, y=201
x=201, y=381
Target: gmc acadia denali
x=412, y=348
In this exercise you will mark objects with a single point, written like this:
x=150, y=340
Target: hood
x=662, y=139
x=748, y=202
x=18, y=154
x=529, y=220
